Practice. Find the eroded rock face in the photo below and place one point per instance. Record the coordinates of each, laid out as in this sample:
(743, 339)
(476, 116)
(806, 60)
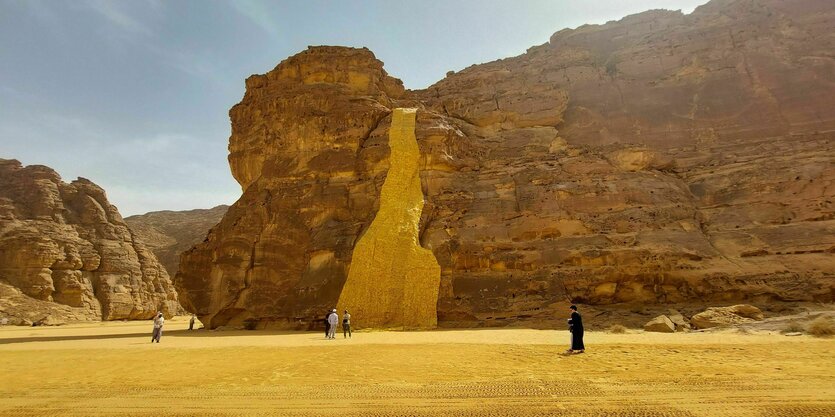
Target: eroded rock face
(393, 281)
(662, 158)
(169, 233)
(311, 182)
(64, 243)
(21, 310)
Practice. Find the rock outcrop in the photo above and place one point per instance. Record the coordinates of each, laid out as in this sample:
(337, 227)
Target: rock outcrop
(681, 324)
(660, 159)
(19, 309)
(65, 244)
(660, 324)
(169, 233)
(310, 185)
(393, 281)
(717, 316)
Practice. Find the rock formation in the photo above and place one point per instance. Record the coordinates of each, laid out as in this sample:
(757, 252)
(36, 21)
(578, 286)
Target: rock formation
(717, 316)
(681, 324)
(660, 324)
(65, 244)
(281, 253)
(660, 159)
(169, 233)
(392, 280)
(19, 309)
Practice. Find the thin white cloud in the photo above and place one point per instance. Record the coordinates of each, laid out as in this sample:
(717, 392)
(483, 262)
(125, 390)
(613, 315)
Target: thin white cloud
(118, 16)
(255, 11)
(191, 64)
(40, 11)
(139, 172)
(132, 20)
(11, 92)
(51, 124)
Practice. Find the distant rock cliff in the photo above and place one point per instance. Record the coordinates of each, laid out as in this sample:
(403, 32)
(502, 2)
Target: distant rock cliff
(662, 158)
(169, 233)
(64, 243)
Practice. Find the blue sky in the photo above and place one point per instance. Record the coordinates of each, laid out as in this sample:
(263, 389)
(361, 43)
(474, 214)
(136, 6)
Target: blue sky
(134, 94)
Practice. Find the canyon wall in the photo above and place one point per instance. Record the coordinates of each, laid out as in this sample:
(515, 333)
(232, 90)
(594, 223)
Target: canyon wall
(65, 244)
(660, 159)
(168, 233)
(393, 281)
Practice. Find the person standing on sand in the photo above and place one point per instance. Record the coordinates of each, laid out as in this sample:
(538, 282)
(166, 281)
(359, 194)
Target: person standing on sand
(346, 325)
(333, 318)
(327, 324)
(191, 322)
(575, 326)
(158, 322)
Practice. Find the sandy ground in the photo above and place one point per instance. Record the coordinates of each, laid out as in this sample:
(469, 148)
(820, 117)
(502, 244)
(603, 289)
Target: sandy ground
(112, 369)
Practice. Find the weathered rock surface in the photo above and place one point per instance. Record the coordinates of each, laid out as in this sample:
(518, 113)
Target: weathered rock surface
(169, 233)
(717, 316)
(660, 324)
(65, 244)
(660, 159)
(392, 280)
(681, 323)
(21, 310)
(310, 185)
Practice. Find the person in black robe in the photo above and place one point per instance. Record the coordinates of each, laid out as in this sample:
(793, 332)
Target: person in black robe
(327, 324)
(575, 326)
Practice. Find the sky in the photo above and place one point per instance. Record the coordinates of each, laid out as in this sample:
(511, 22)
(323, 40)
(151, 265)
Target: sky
(134, 95)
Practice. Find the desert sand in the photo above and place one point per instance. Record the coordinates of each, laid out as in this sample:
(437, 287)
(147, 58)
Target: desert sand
(112, 368)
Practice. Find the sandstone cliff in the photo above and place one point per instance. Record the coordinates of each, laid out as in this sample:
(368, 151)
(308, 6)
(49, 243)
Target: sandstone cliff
(388, 264)
(662, 158)
(169, 233)
(65, 244)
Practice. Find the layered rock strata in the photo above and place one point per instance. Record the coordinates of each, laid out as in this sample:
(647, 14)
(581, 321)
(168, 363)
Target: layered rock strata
(169, 233)
(660, 159)
(393, 281)
(65, 243)
(19, 309)
(310, 185)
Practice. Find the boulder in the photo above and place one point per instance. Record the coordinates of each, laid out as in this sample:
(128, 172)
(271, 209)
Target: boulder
(50, 320)
(747, 311)
(717, 316)
(661, 324)
(681, 323)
